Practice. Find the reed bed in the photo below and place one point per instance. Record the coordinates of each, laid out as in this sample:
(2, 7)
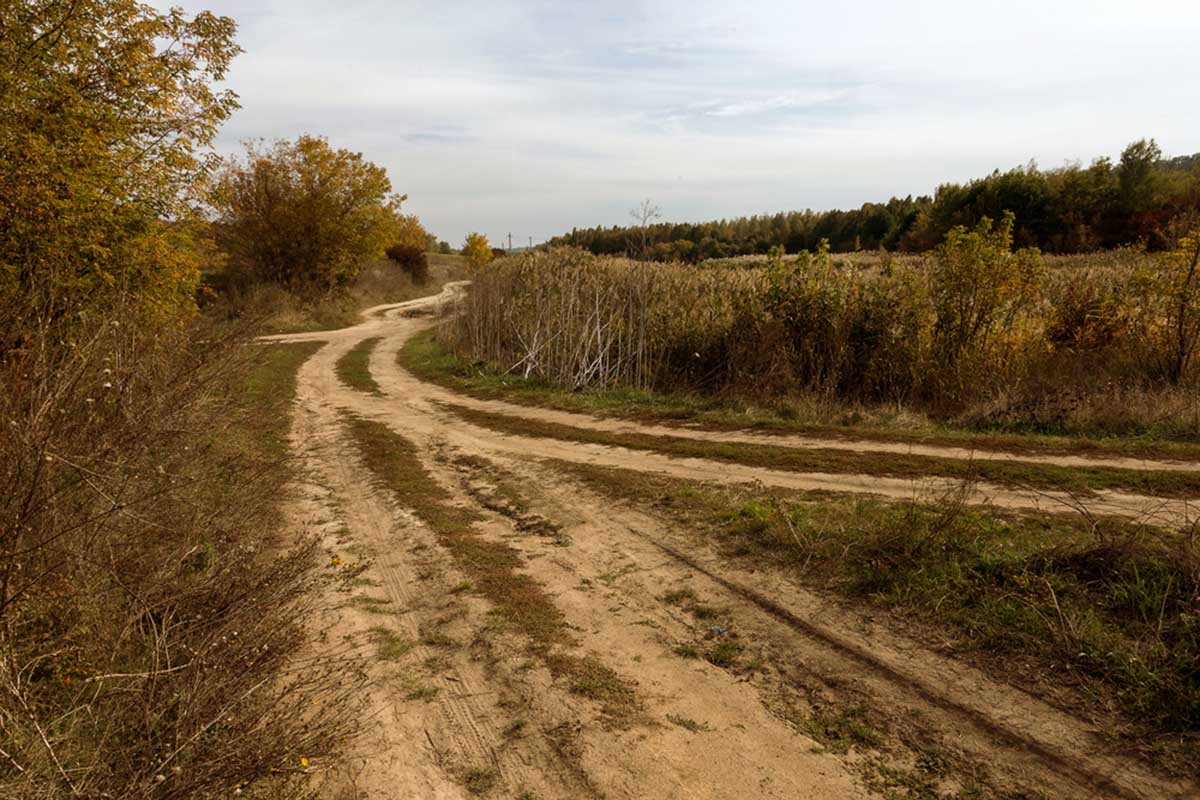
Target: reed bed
(973, 332)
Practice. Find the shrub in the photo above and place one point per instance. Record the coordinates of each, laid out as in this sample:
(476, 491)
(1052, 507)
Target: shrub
(412, 261)
(979, 288)
(477, 250)
(302, 213)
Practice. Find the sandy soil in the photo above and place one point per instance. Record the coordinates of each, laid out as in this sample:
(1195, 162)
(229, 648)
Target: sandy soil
(465, 711)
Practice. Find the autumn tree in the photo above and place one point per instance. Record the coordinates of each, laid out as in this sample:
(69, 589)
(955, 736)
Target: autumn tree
(477, 250)
(304, 214)
(107, 108)
(409, 231)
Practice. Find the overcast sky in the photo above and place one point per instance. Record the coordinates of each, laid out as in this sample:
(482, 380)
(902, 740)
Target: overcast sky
(537, 116)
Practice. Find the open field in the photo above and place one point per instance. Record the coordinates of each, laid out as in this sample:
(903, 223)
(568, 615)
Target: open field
(567, 605)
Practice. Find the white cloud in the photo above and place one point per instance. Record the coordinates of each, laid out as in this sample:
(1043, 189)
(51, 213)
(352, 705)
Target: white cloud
(542, 115)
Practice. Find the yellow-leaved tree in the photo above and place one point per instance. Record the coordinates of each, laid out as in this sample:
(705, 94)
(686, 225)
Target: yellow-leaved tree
(477, 250)
(107, 108)
(303, 214)
(409, 232)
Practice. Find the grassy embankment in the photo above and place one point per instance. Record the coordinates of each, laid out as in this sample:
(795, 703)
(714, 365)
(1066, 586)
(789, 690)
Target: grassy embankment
(158, 613)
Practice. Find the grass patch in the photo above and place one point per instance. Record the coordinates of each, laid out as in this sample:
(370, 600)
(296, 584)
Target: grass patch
(687, 723)
(519, 602)
(390, 645)
(424, 694)
(677, 597)
(270, 389)
(724, 654)
(353, 369)
(429, 360)
(480, 780)
(1114, 610)
(372, 605)
(840, 729)
(1079, 480)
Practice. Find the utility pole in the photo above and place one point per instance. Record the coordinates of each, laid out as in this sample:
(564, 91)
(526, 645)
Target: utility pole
(530, 242)
(510, 243)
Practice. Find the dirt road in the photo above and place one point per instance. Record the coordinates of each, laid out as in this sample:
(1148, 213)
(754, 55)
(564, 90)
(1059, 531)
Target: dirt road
(836, 706)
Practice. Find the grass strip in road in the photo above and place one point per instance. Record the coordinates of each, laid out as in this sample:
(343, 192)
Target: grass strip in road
(520, 602)
(269, 390)
(1046, 477)
(354, 370)
(424, 356)
(1045, 601)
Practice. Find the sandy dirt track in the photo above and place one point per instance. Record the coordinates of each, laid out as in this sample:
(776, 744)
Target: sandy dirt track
(479, 716)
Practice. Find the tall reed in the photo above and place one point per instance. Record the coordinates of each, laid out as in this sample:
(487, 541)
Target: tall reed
(972, 331)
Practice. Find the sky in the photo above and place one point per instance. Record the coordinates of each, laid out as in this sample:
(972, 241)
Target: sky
(533, 117)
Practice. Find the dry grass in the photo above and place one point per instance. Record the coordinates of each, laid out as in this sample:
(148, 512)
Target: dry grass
(153, 616)
(275, 309)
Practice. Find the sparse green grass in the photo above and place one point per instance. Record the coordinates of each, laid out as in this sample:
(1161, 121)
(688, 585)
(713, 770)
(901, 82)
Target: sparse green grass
(423, 694)
(373, 605)
(677, 597)
(1079, 480)
(687, 651)
(1111, 610)
(353, 369)
(428, 359)
(520, 603)
(839, 729)
(390, 645)
(270, 388)
(724, 654)
(687, 723)
(480, 780)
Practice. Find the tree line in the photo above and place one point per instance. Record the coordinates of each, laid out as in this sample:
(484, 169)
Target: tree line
(1070, 209)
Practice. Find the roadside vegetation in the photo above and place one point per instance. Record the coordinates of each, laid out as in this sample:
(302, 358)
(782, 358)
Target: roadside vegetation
(429, 358)
(978, 337)
(1063, 605)
(155, 605)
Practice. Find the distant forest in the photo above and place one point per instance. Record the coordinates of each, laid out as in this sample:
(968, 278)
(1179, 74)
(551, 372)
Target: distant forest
(1069, 209)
